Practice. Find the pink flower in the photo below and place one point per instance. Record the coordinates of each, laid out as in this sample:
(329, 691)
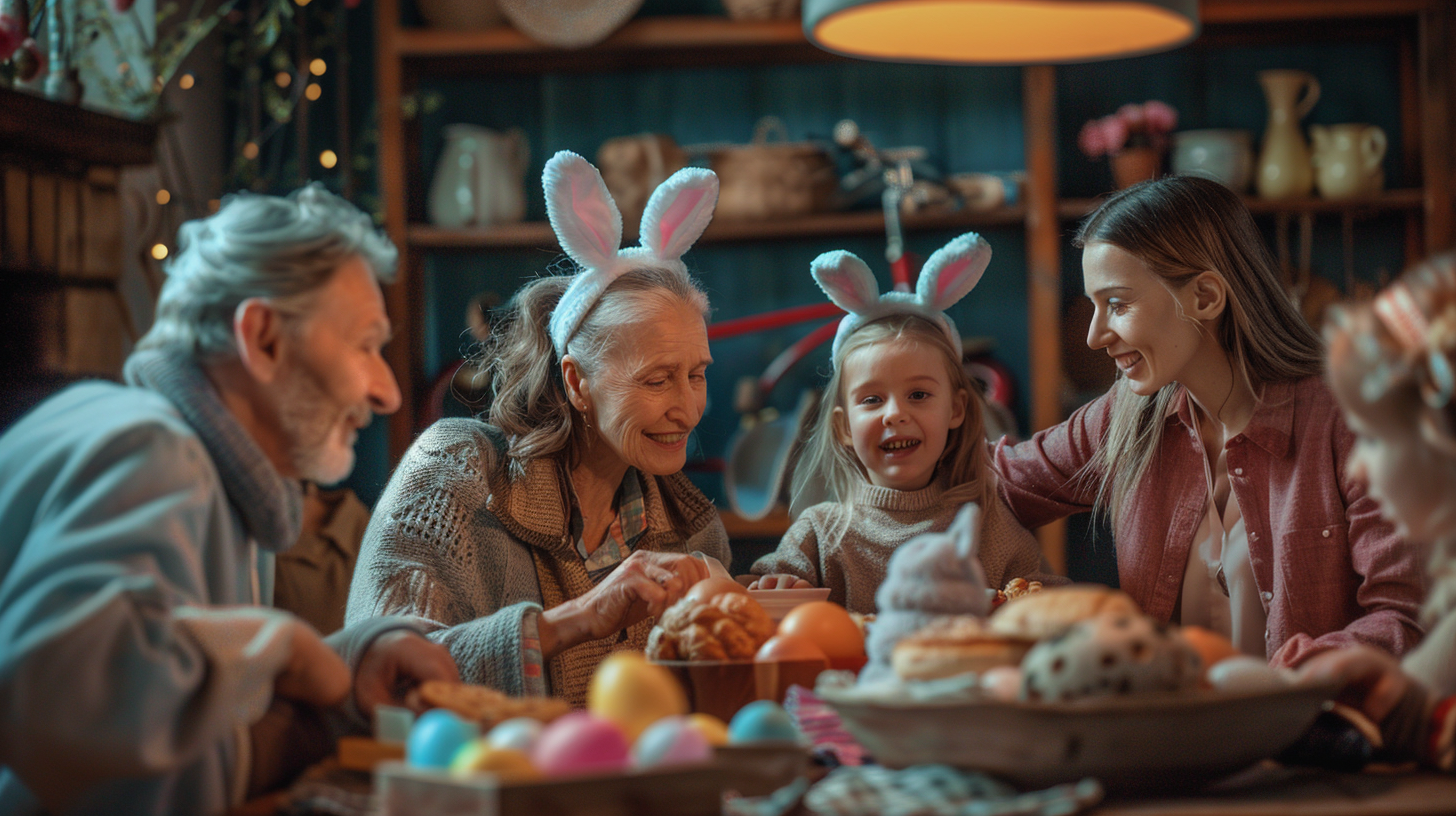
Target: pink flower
(120, 6)
(1091, 141)
(1132, 116)
(1114, 133)
(1160, 116)
(12, 34)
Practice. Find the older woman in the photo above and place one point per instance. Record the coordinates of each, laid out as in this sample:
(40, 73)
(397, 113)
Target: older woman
(550, 536)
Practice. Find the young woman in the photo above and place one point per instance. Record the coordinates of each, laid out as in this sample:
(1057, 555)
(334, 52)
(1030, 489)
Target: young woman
(1219, 455)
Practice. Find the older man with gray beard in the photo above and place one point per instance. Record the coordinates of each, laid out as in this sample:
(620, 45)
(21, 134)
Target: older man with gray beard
(141, 670)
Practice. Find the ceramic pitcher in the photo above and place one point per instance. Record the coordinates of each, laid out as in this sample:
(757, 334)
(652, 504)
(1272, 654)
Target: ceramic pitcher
(479, 178)
(1347, 159)
(1284, 166)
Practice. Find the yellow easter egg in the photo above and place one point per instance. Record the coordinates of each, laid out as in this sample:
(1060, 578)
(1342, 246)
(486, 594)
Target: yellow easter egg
(714, 730)
(481, 757)
(634, 693)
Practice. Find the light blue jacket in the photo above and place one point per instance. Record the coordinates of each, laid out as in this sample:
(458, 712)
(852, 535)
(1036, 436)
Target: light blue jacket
(133, 656)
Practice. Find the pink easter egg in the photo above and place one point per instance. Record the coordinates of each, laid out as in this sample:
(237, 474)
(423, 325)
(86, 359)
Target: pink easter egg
(580, 743)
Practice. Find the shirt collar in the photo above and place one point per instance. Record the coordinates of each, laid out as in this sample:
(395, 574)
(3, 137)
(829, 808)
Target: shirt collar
(1272, 425)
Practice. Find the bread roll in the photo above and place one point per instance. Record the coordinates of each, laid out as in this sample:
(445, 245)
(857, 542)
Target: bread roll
(1043, 614)
(954, 646)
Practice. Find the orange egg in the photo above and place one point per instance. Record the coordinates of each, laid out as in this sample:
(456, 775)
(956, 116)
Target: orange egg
(790, 647)
(712, 587)
(1210, 645)
(828, 626)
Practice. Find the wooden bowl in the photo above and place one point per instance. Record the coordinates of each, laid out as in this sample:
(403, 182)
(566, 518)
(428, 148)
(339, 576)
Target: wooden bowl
(721, 687)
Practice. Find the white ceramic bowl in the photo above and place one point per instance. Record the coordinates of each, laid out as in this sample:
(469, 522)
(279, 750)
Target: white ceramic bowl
(1144, 743)
(778, 602)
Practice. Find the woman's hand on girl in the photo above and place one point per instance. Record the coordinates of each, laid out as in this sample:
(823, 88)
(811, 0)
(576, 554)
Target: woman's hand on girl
(780, 581)
(642, 586)
(1372, 680)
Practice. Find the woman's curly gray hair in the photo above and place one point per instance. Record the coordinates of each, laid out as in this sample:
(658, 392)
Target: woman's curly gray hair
(281, 249)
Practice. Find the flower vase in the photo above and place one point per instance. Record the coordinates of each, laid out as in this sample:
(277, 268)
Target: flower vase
(1134, 164)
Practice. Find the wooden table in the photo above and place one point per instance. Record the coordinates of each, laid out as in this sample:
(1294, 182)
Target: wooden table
(1271, 790)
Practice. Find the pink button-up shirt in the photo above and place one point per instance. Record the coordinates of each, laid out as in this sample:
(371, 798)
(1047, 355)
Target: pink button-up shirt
(1330, 571)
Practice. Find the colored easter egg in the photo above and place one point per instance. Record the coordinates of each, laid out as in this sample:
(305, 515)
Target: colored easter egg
(714, 730)
(436, 737)
(518, 734)
(481, 757)
(829, 626)
(634, 693)
(670, 741)
(762, 721)
(580, 743)
(710, 588)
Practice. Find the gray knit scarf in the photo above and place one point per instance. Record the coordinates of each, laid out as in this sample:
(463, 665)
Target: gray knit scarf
(271, 506)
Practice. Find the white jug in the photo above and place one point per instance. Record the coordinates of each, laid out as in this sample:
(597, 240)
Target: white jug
(1347, 159)
(480, 178)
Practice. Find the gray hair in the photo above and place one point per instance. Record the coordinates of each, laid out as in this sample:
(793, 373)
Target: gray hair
(529, 400)
(259, 246)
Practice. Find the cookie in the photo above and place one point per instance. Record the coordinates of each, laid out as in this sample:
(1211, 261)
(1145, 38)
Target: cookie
(486, 705)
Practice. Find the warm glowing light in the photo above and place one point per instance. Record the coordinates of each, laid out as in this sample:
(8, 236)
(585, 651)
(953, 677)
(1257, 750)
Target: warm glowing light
(159, 251)
(313, 91)
(999, 31)
(317, 67)
(282, 79)
(250, 151)
(186, 81)
(163, 197)
(301, 3)
(328, 159)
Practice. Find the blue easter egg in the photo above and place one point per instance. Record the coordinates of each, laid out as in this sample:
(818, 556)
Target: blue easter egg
(436, 737)
(762, 721)
(670, 741)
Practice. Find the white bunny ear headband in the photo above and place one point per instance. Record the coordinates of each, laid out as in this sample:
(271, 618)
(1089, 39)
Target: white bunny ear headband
(948, 275)
(589, 226)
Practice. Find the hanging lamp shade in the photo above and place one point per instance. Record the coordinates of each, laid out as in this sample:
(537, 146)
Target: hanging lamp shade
(999, 32)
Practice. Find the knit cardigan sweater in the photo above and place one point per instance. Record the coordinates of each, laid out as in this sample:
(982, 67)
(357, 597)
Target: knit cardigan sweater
(847, 546)
(475, 547)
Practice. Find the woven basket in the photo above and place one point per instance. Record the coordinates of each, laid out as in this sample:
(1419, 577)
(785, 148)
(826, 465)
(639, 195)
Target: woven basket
(772, 179)
(761, 9)
(633, 166)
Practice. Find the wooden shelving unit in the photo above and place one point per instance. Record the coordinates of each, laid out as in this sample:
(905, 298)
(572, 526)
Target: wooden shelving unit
(406, 55)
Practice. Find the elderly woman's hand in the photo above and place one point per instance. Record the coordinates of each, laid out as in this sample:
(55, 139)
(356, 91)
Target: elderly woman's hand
(1371, 680)
(644, 585)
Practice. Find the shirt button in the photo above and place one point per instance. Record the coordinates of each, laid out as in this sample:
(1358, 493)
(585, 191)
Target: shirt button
(1238, 471)
(1266, 634)
(1325, 533)
(1253, 536)
(1268, 596)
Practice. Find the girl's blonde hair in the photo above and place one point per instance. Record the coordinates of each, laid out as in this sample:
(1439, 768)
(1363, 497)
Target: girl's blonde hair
(1406, 382)
(1179, 227)
(827, 469)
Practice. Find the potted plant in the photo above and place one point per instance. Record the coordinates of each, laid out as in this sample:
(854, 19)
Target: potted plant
(1134, 138)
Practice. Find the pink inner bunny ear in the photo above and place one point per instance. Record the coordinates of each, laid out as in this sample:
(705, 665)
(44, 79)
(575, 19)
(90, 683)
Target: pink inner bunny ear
(678, 212)
(581, 211)
(953, 271)
(847, 281)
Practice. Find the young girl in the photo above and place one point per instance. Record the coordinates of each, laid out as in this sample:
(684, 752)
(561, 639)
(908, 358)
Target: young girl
(1219, 453)
(899, 446)
(1391, 366)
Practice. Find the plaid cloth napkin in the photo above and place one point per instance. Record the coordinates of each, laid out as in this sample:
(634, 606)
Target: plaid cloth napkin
(938, 790)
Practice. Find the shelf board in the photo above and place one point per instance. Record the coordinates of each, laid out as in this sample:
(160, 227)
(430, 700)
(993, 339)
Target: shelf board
(1387, 201)
(537, 234)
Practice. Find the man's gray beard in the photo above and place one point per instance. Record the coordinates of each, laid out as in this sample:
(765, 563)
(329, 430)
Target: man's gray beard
(308, 416)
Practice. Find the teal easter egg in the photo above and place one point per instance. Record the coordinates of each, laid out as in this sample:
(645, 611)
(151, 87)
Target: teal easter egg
(762, 721)
(436, 737)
